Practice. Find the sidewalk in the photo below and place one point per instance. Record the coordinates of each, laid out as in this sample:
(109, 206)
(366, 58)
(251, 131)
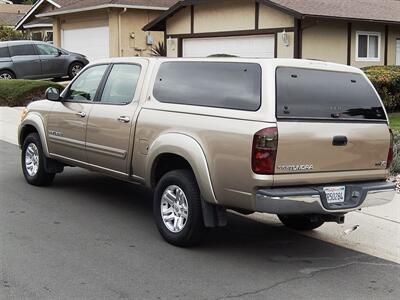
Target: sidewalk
(377, 234)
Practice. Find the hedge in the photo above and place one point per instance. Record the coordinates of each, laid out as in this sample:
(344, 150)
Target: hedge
(386, 80)
(18, 92)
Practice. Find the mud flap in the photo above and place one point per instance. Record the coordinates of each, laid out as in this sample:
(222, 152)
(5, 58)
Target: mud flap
(53, 166)
(213, 215)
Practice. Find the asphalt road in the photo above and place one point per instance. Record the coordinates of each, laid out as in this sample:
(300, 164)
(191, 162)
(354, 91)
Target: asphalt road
(92, 237)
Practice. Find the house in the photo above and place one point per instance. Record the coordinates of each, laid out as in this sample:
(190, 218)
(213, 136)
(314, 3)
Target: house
(39, 29)
(98, 28)
(10, 14)
(356, 32)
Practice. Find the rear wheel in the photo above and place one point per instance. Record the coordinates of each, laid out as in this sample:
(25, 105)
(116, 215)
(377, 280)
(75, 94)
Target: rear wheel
(301, 222)
(74, 69)
(177, 208)
(32, 161)
(6, 75)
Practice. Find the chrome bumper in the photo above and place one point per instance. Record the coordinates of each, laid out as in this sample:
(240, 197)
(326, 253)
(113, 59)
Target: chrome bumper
(312, 199)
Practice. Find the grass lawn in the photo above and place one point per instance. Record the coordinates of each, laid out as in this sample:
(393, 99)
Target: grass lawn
(21, 92)
(394, 119)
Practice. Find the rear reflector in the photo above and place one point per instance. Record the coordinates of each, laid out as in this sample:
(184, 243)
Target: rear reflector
(265, 144)
(390, 153)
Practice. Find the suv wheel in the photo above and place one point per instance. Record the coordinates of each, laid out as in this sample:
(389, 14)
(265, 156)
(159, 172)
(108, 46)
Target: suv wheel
(32, 160)
(301, 222)
(177, 208)
(6, 75)
(74, 69)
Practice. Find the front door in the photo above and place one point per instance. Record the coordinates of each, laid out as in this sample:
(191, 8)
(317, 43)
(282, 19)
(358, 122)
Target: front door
(111, 123)
(67, 122)
(53, 63)
(398, 52)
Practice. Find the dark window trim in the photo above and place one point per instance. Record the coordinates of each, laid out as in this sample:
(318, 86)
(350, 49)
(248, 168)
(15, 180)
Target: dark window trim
(102, 85)
(349, 39)
(318, 119)
(207, 106)
(66, 91)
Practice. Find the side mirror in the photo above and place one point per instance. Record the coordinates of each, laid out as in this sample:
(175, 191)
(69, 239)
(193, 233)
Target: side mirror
(59, 53)
(53, 94)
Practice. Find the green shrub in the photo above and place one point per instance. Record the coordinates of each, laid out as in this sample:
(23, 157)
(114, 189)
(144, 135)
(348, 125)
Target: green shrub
(21, 92)
(386, 80)
(395, 168)
(8, 34)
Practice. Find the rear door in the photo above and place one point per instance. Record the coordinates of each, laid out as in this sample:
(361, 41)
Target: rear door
(25, 60)
(328, 122)
(111, 122)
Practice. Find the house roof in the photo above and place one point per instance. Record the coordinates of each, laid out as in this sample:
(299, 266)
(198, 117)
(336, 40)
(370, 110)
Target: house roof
(33, 9)
(71, 6)
(11, 14)
(385, 11)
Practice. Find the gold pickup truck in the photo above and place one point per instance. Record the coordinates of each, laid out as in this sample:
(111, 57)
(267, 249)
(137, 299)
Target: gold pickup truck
(306, 140)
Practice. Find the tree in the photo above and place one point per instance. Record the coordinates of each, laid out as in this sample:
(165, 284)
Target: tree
(9, 34)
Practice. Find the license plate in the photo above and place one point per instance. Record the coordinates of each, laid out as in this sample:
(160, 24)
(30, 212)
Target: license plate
(335, 194)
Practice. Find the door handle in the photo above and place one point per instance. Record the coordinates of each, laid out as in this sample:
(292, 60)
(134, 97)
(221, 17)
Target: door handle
(124, 119)
(339, 140)
(82, 114)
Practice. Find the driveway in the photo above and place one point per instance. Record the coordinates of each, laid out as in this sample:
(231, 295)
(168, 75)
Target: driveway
(92, 237)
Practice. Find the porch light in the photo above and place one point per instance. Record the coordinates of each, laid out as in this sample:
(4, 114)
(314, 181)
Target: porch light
(171, 43)
(285, 38)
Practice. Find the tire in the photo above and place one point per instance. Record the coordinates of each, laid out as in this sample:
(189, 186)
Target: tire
(178, 231)
(74, 69)
(301, 222)
(32, 150)
(6, 75)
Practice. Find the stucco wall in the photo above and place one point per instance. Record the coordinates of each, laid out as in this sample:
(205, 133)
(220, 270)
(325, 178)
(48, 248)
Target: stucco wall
(285, 51)
(272, 18)
(325, 40)
(180, 22)
(224, 16)
(367, 27)
(394, 33)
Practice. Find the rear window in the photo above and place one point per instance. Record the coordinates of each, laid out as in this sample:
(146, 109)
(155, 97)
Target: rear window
(21, 50)
(316, 94)
(4, 52)
(214, 84)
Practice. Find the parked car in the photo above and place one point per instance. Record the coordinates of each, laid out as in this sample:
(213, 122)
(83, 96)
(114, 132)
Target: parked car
(38, 60)
(306, 140)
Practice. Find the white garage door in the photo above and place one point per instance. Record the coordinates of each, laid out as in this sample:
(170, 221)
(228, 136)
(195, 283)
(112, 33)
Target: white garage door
(242, 46)
(92, 42)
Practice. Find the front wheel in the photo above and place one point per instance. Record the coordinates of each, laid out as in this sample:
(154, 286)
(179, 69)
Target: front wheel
(74, 69)
(32, 161)
(177, 208)
(301, 222)
(6, 75)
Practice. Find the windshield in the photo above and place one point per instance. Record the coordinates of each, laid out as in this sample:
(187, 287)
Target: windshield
(316, 94)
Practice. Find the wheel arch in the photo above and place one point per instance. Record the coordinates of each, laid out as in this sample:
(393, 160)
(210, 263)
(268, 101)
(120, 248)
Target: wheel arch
(172, 151)
(33, 123)
(9, 70)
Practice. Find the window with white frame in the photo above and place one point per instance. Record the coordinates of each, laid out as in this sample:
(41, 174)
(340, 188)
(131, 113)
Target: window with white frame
(368, 46)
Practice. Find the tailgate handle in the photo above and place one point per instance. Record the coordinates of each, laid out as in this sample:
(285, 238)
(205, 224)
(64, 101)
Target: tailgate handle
(339, 140)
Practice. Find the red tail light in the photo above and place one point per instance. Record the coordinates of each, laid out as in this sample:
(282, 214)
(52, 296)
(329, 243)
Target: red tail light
(265, 144)
(390, 153)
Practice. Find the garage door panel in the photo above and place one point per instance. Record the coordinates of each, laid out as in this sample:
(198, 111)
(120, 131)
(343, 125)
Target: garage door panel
(242, 46)
(92, 42)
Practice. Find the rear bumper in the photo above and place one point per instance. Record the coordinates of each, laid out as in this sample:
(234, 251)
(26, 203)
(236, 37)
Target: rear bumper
(312, 199)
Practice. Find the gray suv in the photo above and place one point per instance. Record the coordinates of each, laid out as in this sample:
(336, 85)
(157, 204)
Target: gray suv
(36, 60)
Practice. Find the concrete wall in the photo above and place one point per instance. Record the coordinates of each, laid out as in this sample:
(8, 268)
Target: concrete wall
(325, 40)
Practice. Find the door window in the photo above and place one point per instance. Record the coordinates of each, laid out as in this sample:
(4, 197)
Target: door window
(121, 84)
(22, 50)
(4, 52)
(46, 49)
(84, 88)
